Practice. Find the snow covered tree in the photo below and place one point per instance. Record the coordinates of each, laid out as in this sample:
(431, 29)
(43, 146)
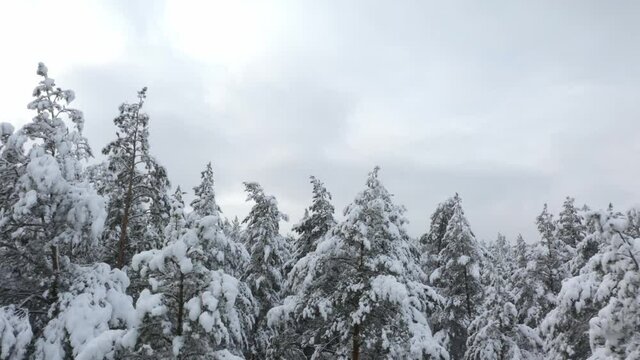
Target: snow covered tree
(137, 192)
(12, 160)
(316, 223)
(222, 244)
(591, 241)
(598, 311)
(233, 230)
(570, 227)
(528, 290)
(15, 333)
(209, 313)
(495, 333)
(177, 225)
(433, 241)
(53, 217)
(268, 253)
(361, 293)
(93, 318)
(458, 279)
(204, 203)
(500, 251)
(549, 253)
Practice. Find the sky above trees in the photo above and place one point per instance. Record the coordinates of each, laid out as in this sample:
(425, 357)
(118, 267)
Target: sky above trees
(509, 104)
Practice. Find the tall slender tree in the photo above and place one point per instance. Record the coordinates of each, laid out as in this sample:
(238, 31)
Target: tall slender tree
(570, 228)
(458, 279)
(432, 242)
(268, 254)
(137, 192)
(205, 203)
(549, 256)
(316, 223)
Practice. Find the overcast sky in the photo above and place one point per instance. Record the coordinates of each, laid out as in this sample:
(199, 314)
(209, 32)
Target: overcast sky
(510, 103)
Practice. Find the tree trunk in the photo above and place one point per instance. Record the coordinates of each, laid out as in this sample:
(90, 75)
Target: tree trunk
(180, 305)
(122, 243)
(55, 263)
(355, 352)
(467, 293)
(122, 246)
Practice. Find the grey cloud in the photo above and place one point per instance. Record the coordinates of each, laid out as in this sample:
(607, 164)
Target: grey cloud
(511, 104)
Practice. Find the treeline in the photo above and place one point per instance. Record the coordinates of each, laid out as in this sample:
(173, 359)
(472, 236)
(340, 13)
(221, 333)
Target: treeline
(108, 262)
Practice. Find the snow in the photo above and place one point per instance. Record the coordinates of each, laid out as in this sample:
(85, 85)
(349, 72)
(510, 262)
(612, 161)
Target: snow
(15, 333)
(387, 287)
(96, 302)
(177, 344)
(149, 303)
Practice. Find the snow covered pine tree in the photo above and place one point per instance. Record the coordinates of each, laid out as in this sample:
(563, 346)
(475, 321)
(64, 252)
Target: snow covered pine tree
(136, 186)
(364, 285)
(458, 280)
(268, 254)
(52, 225)
(205, 312)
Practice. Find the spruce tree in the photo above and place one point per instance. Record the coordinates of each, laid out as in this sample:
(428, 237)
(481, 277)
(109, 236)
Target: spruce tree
(598, 315)
(208, 313)
(223, 246)
(495, 333)
(317, 221)
(550, 257)
(571, 229)
(432, 242)
(527, 287)
(204, 203)
(315, 224)
(458, 279)
(361, 292)
(268, 254)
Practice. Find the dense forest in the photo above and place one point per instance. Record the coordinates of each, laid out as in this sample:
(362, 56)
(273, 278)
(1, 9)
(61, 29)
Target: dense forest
(105, 260)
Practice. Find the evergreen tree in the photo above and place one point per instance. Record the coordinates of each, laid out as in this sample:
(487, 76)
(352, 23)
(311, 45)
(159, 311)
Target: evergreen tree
(433, 241)
(458, 279)
(177, 225)
(571, 229)
(53, 217)
(208, 312)
(549, 257)
(315, 224)
(590, 242)
(527, 288)
(500, 251)
(268, 254)
(598, 316)
(317, 221)
(361, 292)
(226, 251)
(495, 333)
(137, 193)
(204, 203)
(12, 161)
(94, 318)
